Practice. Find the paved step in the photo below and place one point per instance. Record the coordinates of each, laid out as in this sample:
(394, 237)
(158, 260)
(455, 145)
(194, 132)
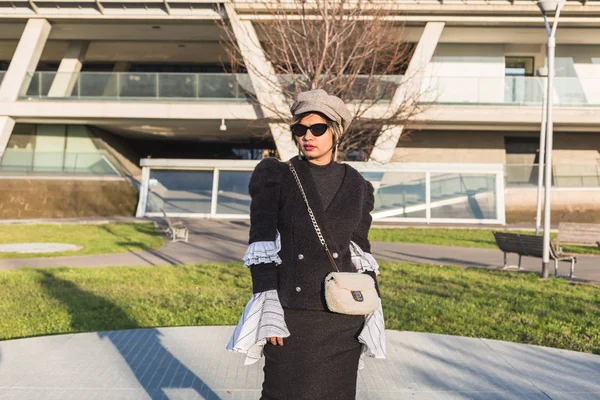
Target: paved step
(192, 363)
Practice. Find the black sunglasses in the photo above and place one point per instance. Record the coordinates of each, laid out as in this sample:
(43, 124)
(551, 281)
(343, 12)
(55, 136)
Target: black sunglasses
(316, 129)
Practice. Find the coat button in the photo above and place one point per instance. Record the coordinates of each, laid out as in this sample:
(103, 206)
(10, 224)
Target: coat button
(335, 255)
(300, 257)
(298, 288)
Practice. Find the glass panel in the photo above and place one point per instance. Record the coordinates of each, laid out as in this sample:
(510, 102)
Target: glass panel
(38, 84)
(17, 161)
(563, 175)
(180, 191)
(138, 85)
(570, 91)
(402, 194)
(233, 197)
(22, 137)
(460, 195)
(568, 175)
(177, 85)
(509, 90)
(521, 175)
(96, 85)
(146, 86)
(95, 163)
(50, 147)
(28, 162)
(222, 87)
(374, 87)
(521, 90)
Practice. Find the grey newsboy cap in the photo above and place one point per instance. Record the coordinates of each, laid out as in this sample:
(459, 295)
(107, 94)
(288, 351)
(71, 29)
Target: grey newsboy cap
(319, 101)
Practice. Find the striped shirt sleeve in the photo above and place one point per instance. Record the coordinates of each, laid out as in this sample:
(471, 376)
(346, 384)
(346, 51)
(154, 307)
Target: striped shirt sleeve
(372, 336)
(262, 318)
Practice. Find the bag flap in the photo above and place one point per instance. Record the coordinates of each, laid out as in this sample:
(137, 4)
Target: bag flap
(352, 280)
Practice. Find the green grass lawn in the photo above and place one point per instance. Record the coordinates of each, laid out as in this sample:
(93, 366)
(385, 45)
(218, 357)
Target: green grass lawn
(455, 237)
(449, 300)
(94, 239)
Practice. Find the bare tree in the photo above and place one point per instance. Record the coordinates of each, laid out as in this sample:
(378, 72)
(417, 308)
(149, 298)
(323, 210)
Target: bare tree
(352, 49)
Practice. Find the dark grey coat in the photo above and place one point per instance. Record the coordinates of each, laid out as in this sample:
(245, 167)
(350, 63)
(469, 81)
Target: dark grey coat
(278, 205)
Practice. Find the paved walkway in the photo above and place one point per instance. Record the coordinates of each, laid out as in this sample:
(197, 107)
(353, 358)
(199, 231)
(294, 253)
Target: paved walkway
(191, 363)
(226, 241)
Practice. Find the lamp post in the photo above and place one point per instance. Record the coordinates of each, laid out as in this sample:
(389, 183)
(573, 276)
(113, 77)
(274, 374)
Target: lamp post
(543, 72)
(549, 7)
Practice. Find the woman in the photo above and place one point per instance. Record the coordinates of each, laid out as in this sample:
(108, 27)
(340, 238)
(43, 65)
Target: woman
(310, 352)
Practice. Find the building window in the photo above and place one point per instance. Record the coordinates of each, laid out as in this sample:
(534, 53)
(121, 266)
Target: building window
(518, 66)
(518, 88)
(522, 160)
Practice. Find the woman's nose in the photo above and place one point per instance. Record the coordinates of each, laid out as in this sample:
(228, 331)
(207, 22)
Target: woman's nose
(306, 136)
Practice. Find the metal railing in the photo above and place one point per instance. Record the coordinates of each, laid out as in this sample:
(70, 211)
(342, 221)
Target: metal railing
(363, 87)
(138, 86)
(563, 175)
(501, 91)
(510, 91)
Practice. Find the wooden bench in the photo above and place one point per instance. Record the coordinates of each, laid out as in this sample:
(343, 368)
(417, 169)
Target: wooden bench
(531, 246)
(176, 229)
(578, 234)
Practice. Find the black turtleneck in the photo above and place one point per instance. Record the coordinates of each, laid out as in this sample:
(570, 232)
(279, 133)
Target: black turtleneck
(328, 180)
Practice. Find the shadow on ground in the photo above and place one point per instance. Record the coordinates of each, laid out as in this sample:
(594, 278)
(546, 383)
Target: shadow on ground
(155, 368)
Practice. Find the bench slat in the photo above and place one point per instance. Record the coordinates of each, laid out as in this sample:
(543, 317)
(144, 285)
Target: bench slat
(576, 233)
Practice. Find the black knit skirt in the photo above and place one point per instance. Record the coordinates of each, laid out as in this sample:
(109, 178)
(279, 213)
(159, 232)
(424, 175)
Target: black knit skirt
(318, 361)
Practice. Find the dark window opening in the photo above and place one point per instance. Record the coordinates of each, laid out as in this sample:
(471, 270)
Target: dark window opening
(522, 160)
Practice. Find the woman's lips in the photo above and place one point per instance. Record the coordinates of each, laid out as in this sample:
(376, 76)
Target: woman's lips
(308, 147)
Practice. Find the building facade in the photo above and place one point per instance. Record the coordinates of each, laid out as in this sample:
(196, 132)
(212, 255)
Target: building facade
(90, 88)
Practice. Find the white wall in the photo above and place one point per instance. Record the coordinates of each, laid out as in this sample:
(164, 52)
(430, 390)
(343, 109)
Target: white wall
(581, 62)
(474, 73)
(466, 73)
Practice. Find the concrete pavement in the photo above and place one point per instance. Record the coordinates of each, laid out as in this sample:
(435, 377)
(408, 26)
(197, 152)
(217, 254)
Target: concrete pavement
(192, 363)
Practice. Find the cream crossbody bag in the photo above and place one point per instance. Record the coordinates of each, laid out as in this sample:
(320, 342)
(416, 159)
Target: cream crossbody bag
(345, 292)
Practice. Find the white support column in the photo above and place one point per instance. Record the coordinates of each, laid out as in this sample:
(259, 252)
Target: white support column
(408, 90)
(143, 200)
(6, 127)
(283, 140)
(214, 199)
(112, 88)
(264, 80)
(428, 196)
(25, 59)
(386, 143)
(69, 69)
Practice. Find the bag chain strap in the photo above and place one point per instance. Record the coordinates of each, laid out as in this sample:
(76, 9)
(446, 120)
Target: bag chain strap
(313, 219)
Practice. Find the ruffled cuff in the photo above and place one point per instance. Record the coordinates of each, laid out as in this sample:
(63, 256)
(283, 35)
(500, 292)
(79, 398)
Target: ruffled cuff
(263, 252)
(262, 318)
(363, 261)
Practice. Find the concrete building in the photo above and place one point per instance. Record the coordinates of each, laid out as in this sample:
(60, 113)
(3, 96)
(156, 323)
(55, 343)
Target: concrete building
(91, 87)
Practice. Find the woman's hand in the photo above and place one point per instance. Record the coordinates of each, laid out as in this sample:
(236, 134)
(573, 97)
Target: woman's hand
(274, 340)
